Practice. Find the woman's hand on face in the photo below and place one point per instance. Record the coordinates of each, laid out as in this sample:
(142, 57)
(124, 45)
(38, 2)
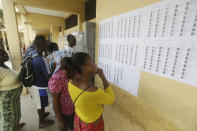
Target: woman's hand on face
(100, 72)
(102, 76)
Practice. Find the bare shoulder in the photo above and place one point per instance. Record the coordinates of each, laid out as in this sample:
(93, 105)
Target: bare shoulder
(75, 83)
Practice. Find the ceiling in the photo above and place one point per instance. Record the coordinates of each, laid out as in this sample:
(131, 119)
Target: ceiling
(36, 10)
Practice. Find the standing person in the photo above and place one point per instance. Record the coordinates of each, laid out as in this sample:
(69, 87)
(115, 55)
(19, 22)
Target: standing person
(39, 88)
(71, 44)
(50, 59)
(53, 47)
(24, 47)
(10, 91)
(87, 98)
(62, 103)
(67, 52)
(51, 68)
(23, 50)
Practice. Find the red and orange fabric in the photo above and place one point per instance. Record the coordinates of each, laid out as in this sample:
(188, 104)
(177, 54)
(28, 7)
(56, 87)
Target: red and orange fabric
(98, 125)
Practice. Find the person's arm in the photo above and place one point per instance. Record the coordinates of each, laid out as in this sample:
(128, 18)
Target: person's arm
(103, 78)
(47, 61)
(55, 89)
(105, 96)
(56, 108)
(44, 69)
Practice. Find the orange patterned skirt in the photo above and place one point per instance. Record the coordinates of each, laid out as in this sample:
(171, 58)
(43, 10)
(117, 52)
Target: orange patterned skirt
(98, 125)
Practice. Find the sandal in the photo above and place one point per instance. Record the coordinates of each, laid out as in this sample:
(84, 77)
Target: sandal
(20, 125)
(46, 124)
(46, 114)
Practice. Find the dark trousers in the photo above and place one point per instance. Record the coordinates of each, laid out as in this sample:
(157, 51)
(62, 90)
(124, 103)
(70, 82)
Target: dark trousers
(69, 121)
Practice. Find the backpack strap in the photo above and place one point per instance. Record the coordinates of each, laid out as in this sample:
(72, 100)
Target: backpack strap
(82, 93)
(33, 56)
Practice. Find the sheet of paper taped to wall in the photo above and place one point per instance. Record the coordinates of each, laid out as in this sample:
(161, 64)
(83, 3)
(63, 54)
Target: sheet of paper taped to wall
(159, 39)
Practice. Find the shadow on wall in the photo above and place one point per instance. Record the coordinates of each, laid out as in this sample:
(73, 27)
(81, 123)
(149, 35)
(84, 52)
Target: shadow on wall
(175, 99)
(129, 113)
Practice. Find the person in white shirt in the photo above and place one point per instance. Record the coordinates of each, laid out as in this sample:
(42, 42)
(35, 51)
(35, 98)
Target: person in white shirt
(67, 52)
(50, 60)
(50, 65)
(53, 61)
(10, 91)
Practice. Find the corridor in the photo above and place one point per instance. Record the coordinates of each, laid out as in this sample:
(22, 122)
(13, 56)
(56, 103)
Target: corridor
(140, 54)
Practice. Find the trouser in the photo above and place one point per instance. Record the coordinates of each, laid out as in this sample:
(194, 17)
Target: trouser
(40, 101)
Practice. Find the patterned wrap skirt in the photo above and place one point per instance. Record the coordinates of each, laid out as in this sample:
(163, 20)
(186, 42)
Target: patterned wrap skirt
(98, 125)
(10, 109)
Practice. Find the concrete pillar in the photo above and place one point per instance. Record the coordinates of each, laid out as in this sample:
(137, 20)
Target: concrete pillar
(62, 36)
(33, 34)
(55, 33)
(12, 32)
(30, 33)
(25, 30)
(4, 40)
(79, 22)
(81, 19)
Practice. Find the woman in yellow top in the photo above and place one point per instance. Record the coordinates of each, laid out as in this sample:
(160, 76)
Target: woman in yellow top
(88, 99)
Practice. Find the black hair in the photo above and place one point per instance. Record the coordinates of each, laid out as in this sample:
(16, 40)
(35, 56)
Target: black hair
(40, 42)
(74, 64)
(3, 55)
(53, 47)
(69, 37)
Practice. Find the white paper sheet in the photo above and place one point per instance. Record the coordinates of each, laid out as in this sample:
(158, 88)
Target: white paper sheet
(156, 39)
